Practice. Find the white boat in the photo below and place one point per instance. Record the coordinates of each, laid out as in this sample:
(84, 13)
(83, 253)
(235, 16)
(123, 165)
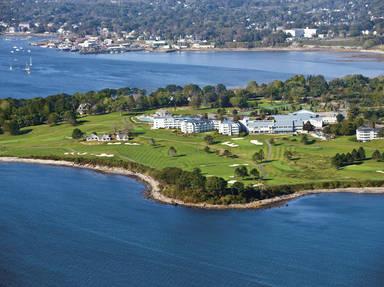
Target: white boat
(10, 68)
(27, 69)
(30, 61)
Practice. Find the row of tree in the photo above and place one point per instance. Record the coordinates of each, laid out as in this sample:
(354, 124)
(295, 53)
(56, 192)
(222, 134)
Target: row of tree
(357, 90)
(344, 159)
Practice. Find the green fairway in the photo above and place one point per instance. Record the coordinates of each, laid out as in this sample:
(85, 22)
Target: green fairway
(311, 163)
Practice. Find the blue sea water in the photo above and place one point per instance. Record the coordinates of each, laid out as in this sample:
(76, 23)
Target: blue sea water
(55, 72)
(71, 227)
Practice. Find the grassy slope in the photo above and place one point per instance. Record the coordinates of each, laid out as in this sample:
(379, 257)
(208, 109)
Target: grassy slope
(313, 163)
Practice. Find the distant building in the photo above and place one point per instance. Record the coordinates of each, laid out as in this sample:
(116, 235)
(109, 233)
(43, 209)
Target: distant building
(301, 33)
(329, 118)
(83, 109)
(365, 134)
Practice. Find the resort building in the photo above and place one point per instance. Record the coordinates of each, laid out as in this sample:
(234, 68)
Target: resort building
(258, 126)
(229, 128)
(167, 122)
(192, 126)
(329, 118)
(365, 134)
(290, 123)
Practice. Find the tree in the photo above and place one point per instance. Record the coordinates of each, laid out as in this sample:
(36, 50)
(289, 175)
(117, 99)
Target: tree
(241, 171)
(376, 155)
(52, 119)
(355, 155)
(216, 185)
(209, 139)
(227, 153)
(237, 187)
(151, 142)
(340, 118)
(304, 139)
(337, 161)
(308, 127)
(172, 151)
(361, 153)
(70, 117)
(255, 173)
(258, 156)
(11, 127)
(380, 134)
(77, 134)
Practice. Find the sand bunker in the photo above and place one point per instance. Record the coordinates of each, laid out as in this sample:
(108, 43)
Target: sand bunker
(105, 155)
(237, 139)
(236, 164)
(132, 143)
(75, 153)
(230, 144)
(256, 142)
(113, 143)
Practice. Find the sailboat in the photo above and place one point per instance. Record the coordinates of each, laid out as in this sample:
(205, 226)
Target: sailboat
(10, 68)
(27, 69)
(30, 61)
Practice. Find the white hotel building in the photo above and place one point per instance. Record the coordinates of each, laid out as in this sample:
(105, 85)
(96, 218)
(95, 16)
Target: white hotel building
(365, 134)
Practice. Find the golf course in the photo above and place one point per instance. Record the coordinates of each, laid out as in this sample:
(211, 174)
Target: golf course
(308, 163)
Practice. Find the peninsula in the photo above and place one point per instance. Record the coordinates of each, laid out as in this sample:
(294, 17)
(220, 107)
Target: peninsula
(213, 147)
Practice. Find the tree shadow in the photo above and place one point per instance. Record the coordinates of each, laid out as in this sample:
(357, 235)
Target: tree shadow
(81, 122)
(24, 132)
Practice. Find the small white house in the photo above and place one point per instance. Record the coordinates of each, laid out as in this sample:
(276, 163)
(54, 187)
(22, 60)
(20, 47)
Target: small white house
(92, 138)
(83, 108)
(122, 137)
(105, 138)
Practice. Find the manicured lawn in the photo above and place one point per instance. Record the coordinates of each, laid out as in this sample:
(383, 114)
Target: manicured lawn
(311, 163)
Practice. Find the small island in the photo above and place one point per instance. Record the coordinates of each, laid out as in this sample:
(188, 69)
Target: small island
(213, 147)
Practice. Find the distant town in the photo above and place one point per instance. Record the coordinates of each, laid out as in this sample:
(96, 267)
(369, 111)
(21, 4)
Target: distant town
(167, 27)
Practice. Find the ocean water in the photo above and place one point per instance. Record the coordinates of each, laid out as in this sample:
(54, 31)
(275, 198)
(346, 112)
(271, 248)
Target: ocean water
(55, 72)
(70, 227)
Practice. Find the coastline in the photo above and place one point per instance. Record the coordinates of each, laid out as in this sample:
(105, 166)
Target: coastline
(305, 48)
(153, 186)
(290, 49)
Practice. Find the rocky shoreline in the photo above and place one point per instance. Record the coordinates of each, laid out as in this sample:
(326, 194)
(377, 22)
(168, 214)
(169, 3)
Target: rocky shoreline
(154, 186)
